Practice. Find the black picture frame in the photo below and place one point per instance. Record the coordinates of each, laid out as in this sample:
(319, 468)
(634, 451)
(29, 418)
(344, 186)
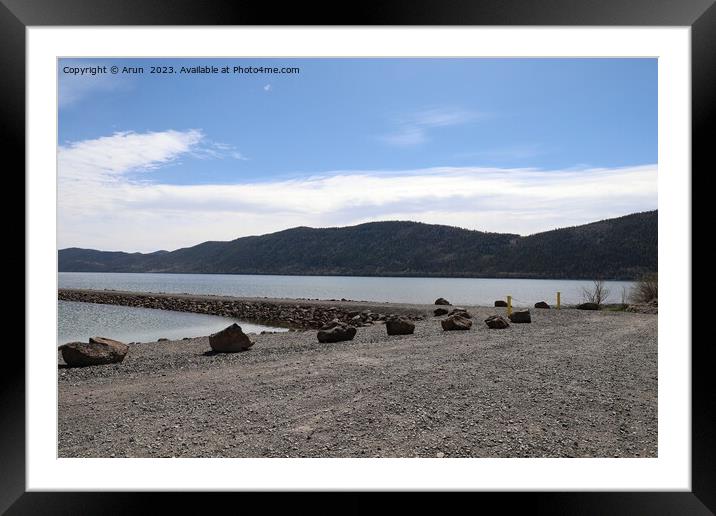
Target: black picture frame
(700, 15)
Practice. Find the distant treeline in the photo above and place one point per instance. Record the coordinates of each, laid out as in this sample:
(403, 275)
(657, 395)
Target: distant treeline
(620, 248)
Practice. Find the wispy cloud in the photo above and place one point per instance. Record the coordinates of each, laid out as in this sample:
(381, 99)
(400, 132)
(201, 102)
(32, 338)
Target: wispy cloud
(215, 150)
(413, 129)
(102, 205)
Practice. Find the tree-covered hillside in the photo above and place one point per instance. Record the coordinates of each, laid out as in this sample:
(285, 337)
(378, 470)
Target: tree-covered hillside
(620, 248)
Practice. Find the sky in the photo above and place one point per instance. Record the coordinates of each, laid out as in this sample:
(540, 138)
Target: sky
(150, 161)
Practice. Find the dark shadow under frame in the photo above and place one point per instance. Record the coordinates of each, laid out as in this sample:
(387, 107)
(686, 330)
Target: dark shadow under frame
(700, 15)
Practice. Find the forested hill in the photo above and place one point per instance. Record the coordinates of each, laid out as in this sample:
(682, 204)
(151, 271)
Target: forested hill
(620, 248)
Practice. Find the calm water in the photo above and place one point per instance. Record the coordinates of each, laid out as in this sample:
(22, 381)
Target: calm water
(470, 291)
(79, 321)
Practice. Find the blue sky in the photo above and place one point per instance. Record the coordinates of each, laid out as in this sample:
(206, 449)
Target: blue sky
(513, 145)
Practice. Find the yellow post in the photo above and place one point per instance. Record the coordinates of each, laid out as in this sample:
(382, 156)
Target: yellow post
(559, 298)
(509, 305)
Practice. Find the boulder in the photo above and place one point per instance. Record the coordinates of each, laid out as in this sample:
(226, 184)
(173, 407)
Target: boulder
(399, 326)
(461, 312)
(98, 351)
(521, 316)
(442, 301)
(500, 303)
(230, 340)
(541, 304)
(588, 306)
(496, 322)
(456, 322)
(440, 311)
(336, 331)
(332, 324)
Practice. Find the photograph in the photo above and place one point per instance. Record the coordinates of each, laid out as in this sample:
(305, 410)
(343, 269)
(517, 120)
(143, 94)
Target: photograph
(412, 249)
(357, 257)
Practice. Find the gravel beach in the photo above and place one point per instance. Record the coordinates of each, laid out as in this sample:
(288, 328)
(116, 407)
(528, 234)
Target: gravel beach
(570, 384)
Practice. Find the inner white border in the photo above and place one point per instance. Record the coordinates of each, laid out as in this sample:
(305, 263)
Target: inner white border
(671, 470)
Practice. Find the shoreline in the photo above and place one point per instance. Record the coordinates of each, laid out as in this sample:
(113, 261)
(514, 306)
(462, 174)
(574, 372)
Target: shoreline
(570, 384)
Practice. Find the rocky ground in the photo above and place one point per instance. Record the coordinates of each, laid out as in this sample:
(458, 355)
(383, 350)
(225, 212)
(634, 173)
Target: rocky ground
(570, 384)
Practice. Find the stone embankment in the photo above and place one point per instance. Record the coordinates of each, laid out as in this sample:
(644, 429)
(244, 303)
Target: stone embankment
(295, 314)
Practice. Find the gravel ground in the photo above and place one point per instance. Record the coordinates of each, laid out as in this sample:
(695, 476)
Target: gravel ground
(571, 384)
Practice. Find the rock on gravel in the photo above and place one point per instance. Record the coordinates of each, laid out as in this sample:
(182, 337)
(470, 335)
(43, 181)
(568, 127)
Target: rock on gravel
(461, 312)
(98, 351)
(399, 326)
(440, 311)
(541, 304)
(496, 322)
(588, 306)
(521, 316)
(231, 339)
(456, 322)
(500, 303)
(336, 331)
(442, 301)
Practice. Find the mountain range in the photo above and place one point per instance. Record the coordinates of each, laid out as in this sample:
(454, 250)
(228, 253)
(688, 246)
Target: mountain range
(619, 248)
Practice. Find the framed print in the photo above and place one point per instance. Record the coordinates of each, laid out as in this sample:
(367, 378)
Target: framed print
(418, 249)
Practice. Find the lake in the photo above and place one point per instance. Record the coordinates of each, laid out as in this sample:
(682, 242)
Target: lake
(79, 321)
(467, 291)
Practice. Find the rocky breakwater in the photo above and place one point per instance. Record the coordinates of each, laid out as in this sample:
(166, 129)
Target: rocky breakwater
(296, 314)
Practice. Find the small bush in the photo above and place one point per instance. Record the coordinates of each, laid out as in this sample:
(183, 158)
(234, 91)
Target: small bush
(597, 294)
(646, 289)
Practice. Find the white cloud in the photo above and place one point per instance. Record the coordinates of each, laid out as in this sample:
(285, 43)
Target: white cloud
(123, 152)
(102, 207)
(413, 130)
(267, 87)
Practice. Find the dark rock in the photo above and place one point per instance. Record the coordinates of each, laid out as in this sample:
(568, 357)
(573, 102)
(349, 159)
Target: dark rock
(399, 326)
(521, 316)
(163, 339)
(440, 311)
(501, 303)
(588, 306)
(230, 340)
(461, 312)
(456, 322)
(332, 324)
(442, 301)
(98, 351)
(339, 332)
(496, 322)
(541, 304)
